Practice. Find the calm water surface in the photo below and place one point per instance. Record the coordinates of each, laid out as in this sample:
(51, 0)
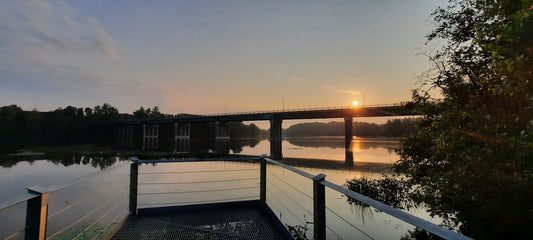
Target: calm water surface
(181, 183)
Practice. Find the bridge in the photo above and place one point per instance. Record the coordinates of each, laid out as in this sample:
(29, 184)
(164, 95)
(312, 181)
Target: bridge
(148, 129)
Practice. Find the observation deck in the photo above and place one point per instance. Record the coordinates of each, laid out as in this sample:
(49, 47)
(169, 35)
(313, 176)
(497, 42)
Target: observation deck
(224, 198)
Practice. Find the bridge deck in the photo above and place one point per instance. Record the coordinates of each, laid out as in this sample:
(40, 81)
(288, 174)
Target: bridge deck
(237, 220)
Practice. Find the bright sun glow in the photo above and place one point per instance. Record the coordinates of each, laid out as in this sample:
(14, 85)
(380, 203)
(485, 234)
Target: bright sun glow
(355, 103)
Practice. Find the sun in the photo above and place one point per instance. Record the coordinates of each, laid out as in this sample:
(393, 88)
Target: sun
(355, 103)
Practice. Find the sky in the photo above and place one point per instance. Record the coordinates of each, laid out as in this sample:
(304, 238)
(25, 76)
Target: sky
(205, 57)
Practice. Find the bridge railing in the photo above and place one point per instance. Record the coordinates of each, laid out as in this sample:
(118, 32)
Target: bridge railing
(305, 109)
(306, 203)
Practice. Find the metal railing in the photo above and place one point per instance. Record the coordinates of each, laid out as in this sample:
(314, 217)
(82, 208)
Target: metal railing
(48, 208)
(306, 109)
(318, 196)
(291, 110)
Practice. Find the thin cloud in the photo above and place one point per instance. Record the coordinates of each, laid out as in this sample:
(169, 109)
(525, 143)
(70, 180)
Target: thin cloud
(335, 89)
(47, 47)
(343, 91)
(55, 29)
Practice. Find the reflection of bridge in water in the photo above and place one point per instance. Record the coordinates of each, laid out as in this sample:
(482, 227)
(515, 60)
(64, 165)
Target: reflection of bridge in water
(146, 134)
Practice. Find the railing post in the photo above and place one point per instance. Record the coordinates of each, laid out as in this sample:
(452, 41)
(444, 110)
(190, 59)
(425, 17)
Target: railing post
(36, 214)
(262, 182)
(134, 175)
(319, 207)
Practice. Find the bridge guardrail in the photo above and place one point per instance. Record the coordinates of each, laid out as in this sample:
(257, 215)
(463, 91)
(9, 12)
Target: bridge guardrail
(278, 111)
(305, 109)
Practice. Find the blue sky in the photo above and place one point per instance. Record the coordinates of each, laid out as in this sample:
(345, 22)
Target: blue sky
(210, 56)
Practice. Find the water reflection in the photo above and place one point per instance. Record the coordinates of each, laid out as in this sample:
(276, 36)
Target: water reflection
(356, 145)
(65, 159)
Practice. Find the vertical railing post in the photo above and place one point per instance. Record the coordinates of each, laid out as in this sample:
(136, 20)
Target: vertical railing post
(36, 214)
(134, 175)
(319, 207)
(262, 181)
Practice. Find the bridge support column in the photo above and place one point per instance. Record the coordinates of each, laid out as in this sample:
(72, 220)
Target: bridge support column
(222, 130)
(150, 136)
(348, 136)
(182, 137)
(222, 137)
(275, 138)
(126, 136)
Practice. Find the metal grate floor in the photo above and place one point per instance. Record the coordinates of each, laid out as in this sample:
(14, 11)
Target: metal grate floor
(242, 220)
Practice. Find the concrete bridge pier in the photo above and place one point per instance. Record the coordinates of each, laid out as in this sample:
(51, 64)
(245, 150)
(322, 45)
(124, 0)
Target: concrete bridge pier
(275, 138)
(150, 136)
(182, 137)
(348, 137)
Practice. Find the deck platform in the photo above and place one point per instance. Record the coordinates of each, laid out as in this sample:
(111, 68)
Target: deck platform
(235, 220)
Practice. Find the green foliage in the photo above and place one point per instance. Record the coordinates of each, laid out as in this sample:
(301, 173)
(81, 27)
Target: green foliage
(391, 191)
(71, 125)
(148, 113)
(472, 157)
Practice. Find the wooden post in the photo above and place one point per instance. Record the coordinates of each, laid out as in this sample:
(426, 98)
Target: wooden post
(262, 184)
(134, 174)
(36, 214)
(319, 207)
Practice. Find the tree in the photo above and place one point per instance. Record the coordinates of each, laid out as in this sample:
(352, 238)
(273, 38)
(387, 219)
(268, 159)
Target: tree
(472, 158)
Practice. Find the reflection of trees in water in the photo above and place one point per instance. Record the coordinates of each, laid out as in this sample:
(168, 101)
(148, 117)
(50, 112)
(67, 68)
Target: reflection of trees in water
(362, 144)
(66, 160)
(372, 167)
(399, 193)
(94, 161)
(391, 191)
(107, 159)
(236, 145)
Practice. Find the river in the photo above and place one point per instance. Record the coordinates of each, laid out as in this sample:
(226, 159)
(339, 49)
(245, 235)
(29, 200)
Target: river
(287, 195)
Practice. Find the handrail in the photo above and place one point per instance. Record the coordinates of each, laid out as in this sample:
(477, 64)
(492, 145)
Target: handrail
(404, 216)
(295, 170)
(318, 181)
(136, 160)
(16, 200)
(26, 196)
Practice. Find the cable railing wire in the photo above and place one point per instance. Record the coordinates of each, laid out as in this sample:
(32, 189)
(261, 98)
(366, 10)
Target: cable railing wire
(196, 182)
(351, 224)
(99, 219)
(14, 234)
(64, 209)
(338, 236)
(288, 197)
(199, 191)
(298, 190)
(207, 171)
(123, 213)
(86, 215)
(283, 205)
(210, 201)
